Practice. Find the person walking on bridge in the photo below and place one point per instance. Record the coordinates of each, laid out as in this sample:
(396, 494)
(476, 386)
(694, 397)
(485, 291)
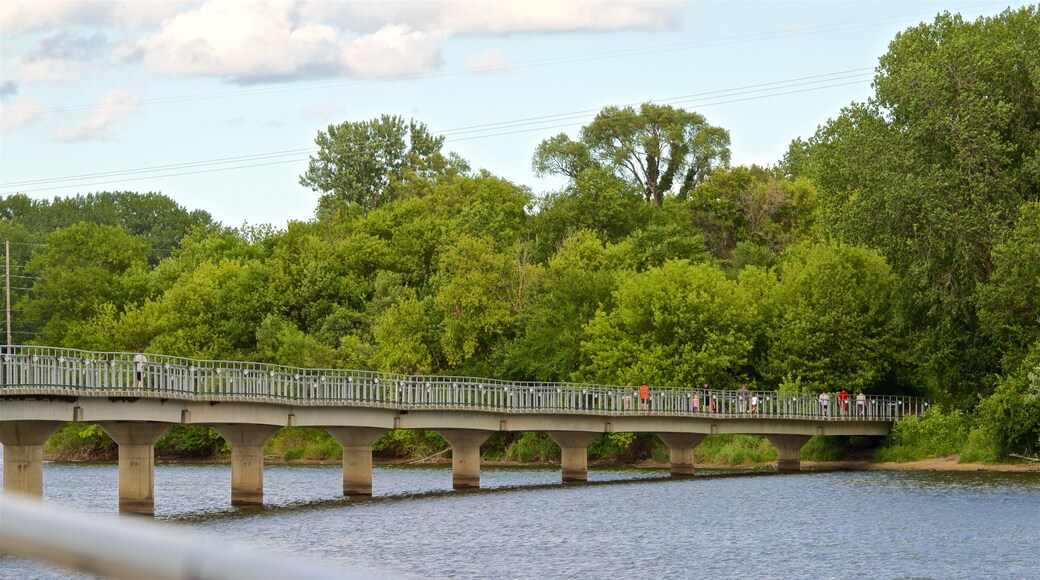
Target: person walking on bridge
(644, 397)
(825, 403)
(139, 362)
(742, 396)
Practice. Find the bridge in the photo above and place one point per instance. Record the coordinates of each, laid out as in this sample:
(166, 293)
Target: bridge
(42, 388)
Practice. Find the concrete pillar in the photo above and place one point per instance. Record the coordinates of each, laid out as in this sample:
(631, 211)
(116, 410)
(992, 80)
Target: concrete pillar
(357, 457)
(247, 460)
(574, 453)
(465, 455)
(788, 451)
(136, 442)
(680, 451)
(23, 454)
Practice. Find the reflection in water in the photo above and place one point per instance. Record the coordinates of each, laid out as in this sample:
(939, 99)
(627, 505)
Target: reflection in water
(636, 523)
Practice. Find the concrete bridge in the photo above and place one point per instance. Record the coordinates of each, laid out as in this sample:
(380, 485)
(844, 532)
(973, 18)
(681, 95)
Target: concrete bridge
(136, 402)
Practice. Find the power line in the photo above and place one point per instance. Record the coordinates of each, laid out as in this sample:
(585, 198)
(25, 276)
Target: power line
(484, 131)
(533, 63)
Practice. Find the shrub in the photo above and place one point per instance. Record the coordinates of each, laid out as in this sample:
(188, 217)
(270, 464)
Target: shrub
(936, 433)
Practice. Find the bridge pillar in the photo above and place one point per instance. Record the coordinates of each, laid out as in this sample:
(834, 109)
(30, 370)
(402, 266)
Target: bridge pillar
(680, 451)
(574, 453)
(357, 456)
(23, 454)
(247, 460)
(136, 442)
(788, 451)
(465, 455)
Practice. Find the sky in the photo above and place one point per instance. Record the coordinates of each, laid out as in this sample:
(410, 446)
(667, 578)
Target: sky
(216, 103)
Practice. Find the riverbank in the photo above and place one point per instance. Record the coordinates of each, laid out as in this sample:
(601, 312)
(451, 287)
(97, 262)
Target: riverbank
(949, 463)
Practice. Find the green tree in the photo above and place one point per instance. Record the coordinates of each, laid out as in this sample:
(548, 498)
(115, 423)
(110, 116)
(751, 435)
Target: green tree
(577, 281)
(832, 322)
(659, 149)
(357, 162)
(679, 325)
(933, 168)
(78, 269)
(1009, 304)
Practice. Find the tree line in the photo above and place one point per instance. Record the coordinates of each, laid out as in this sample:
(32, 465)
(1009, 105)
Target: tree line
(896, 250)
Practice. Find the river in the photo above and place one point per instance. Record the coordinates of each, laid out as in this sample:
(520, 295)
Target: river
(625, 523)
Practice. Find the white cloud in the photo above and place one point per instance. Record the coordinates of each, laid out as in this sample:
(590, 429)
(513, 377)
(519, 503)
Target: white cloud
(22, 111)
(242, 41)
(29, 15)
(263, 40)
(393, 50)
(112, 108)
(324, 110)
(489, 61)
(285, 39)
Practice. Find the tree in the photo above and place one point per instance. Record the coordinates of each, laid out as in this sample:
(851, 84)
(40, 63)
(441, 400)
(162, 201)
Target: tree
(1009, 304)
(358, 162)
(77, 270)
(678, 325)
(577, 281)
(933, 167)
(832, 322)
(659, 149)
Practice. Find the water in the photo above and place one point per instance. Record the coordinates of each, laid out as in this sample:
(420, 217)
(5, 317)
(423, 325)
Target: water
(634, 523)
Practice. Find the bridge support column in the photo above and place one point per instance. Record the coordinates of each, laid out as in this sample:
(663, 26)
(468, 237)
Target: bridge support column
(247, 460)
(465, 456)
(788, 451)
(574, 454)
(357, 456)
(680, 451)
(23, 454)
(136, 442)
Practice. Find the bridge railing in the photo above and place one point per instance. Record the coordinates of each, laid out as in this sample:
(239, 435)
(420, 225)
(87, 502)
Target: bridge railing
(74, 372)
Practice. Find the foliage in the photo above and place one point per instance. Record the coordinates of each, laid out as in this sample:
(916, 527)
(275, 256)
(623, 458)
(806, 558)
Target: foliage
(296, 443)
(80, 441)
(357, 163)
(735, 450)
(679, 324)
(657, 149)
(1011, 415)
(933, 168)
(533, 447)
(191, 441)
(936, 433)
(833, 322)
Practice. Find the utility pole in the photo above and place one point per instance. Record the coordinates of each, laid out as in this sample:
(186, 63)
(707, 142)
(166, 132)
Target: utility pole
(7, 270)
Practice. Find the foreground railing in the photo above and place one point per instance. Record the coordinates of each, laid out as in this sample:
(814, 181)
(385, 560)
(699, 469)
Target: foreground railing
(137, 549)
(60, 371)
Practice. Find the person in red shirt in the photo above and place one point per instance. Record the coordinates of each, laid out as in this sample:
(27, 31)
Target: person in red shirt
(843, 401)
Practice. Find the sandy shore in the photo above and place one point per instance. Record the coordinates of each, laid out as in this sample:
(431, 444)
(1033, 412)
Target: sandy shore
(949, 463)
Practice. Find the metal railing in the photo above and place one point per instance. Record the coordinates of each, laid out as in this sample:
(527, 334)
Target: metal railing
(68, 372)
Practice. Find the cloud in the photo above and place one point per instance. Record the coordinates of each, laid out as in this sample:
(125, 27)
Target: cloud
(8, 89)
(268, 40)
(21, 16)
(325, 110)
(241, 41)
(489, 61)
(23, 111)
(112, 108)
(393, 50)
(249, 41)
(69, 46)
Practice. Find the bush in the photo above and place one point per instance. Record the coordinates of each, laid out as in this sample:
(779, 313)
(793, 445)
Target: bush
(81, 442)
(401, 443)
(936, 433)
(533, 447)
(735, 450)
(190, 441)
